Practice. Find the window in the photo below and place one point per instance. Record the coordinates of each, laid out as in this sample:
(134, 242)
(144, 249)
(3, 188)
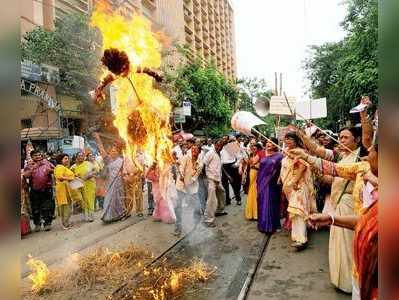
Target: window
(26, 123)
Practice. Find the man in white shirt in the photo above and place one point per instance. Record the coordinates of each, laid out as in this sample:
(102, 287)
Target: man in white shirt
(215, 200)
(189, 168)
(230, 173)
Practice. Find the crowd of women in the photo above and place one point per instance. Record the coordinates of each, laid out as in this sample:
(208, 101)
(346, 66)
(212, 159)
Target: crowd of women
(316, 182)
(305, 180)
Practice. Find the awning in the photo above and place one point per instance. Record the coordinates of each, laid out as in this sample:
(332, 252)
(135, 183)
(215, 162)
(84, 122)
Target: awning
(41, 133)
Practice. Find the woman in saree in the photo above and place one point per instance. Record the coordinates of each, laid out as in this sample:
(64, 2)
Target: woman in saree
(297, 180)
(114, 200)
(251, 207)
(365, 175)
(63, 175)
(161, 182)
(340, 243)
(84, 170)
(269, 191)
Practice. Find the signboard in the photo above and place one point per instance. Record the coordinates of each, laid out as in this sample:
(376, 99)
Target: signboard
(186, 108)
(279, 106)
(40, 73)
(178, 115)
(30, 71)
(50, 74)
(311, 109)
(34, 89)
(179, 118)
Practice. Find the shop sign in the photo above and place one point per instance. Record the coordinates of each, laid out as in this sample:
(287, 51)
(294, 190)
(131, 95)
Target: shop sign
(34, 89)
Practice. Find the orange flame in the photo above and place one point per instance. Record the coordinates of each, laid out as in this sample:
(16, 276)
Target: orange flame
(40, 273)
(136, 39)
(174, 281)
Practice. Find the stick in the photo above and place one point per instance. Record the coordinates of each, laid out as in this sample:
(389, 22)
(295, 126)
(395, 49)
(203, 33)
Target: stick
(310, 122)
(278, 146)
(134, 89)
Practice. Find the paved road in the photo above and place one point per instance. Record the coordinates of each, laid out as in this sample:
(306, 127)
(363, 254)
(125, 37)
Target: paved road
(233, 247)
(286, 274)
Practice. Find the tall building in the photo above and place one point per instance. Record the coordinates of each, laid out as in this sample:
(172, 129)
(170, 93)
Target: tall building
(205, 26)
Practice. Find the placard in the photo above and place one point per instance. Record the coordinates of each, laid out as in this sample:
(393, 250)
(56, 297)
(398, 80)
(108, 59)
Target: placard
(311, 109)
(279, 106)
(186, 108)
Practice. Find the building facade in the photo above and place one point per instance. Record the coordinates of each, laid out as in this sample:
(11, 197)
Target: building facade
(206, 27)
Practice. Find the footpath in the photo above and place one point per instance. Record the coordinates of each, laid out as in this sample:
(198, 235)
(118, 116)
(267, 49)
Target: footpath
(284, 273)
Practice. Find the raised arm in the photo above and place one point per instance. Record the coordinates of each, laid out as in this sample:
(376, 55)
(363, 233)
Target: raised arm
(100, 144)
(344, 170)
(314, 148)
(367, 126)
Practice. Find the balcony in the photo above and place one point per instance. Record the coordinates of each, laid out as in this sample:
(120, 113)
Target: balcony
(189, 38)
(188, 30)
(150, 4)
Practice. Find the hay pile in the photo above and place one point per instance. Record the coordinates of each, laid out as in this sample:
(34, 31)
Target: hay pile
(167, 281)
(98, 274)
(93, 275)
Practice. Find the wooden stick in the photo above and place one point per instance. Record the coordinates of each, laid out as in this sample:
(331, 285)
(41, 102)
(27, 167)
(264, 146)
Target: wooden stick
(278, 146)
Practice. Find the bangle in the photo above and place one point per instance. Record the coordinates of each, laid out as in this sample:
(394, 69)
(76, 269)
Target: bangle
(332, 219)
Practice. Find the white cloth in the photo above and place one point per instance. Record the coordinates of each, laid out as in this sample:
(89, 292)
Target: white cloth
(178, 151)
(187, 179)
(226, 157)
(213, 166)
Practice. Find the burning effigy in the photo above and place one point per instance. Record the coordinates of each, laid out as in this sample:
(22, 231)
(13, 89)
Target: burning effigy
(131, 60)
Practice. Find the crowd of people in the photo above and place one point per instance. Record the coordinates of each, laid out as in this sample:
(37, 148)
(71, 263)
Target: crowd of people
(305, 180)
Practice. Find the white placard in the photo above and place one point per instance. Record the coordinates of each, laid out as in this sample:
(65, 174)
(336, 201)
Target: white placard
(244, 121)
(311, 109)
(78, 142)
(279, 106)
(186, 108)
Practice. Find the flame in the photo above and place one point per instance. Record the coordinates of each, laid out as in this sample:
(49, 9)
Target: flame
(174, 281)
(135, 38)
(40, 273)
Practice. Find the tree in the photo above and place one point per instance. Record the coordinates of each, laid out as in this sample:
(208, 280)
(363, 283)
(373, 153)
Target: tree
(249, 90)
(72, 47)
(346, 70)
(212, 96)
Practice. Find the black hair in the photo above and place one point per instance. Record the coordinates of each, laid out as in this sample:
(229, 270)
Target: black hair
(357, 134)
(33, 152)
(292, 135)
(259, 146)
(60, 157)
(274, 140)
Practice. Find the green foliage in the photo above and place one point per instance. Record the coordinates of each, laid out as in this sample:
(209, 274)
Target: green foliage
(346, 70)
(249, 90)
(71, 47)
(213, 97)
